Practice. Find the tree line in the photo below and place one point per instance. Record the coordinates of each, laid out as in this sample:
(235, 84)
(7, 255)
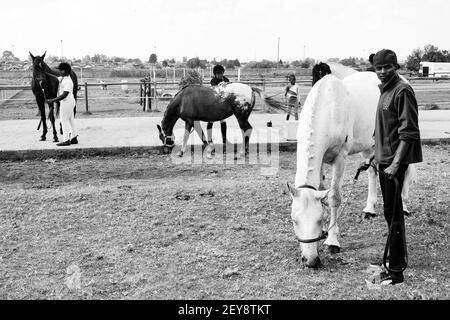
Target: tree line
(429, 53)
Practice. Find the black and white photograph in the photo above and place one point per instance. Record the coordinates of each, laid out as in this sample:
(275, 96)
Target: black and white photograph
(243, 152)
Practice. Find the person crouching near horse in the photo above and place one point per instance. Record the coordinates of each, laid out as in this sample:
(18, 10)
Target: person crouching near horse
(397, 144)
(67, 103)
(292, 97)
(218, 78)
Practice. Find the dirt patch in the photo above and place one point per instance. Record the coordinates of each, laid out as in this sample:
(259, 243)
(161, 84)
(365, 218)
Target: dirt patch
(144, 228)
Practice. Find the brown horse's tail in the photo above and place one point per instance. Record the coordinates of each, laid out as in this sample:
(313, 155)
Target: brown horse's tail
(270, 101)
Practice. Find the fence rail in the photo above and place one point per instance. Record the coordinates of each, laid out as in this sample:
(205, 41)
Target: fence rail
(152, 91)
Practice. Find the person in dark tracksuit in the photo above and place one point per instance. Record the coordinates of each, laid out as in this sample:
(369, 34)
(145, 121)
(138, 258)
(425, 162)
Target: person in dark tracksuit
(371, 68)
(218, 78)
(397, 144)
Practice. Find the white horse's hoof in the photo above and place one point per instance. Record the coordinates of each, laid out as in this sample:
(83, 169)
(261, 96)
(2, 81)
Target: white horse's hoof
(369, 215)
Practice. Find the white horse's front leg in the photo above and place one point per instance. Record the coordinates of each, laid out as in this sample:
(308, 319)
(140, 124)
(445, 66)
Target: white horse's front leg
(410, 177)
(369, 210)
(187, 132)
(334, 199)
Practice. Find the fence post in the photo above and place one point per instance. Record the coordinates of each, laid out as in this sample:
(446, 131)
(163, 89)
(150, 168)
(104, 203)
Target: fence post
(86, 98)
(264, 90)
(140, 95)
(154, 88)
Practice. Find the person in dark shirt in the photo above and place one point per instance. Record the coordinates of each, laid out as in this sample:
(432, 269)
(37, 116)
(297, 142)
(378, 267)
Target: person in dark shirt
(218, 78)
(397, 144)
(371, 68)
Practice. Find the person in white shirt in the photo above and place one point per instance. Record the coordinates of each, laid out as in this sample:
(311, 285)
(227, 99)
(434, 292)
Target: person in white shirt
(292, 97)
(67, 103)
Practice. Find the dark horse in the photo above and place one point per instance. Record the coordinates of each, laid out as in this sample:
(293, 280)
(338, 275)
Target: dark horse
(45, 86)
(319, 71)
(196, 103)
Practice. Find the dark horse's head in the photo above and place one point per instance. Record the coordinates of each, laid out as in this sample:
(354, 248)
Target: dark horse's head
(167, 140)
(39, 67)
(319, 71)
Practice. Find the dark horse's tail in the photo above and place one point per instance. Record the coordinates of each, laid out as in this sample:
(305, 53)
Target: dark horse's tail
(270, 101)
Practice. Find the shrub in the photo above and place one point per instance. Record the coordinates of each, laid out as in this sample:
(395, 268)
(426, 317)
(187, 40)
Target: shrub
(192, 77)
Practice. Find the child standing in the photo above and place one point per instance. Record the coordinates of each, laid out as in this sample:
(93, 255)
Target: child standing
(67, 104)
(292, 97)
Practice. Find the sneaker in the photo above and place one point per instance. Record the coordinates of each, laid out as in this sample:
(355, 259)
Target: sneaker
(74, 140)
(387, 278)
(65, 143)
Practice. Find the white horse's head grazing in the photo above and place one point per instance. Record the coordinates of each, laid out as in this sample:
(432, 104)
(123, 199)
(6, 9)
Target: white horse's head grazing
(308, 220)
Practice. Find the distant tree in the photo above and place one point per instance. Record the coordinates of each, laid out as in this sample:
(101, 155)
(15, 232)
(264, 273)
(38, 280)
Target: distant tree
(153, 58)
(86, 59)
(350, 62)
(192, 77)
(414, 59)
(165, 63)
(118, 59)
(99, 58)
(8, 55)
(185, 59)
(433, 54)
(196, 63)
(308, 62)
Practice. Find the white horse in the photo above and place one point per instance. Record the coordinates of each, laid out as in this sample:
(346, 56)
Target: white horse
(337, 120)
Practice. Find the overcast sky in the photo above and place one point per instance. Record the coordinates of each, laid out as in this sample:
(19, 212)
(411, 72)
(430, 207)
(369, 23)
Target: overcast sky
(242, 29)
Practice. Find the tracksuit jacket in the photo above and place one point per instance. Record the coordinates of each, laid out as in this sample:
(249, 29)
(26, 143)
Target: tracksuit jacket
(397, 119)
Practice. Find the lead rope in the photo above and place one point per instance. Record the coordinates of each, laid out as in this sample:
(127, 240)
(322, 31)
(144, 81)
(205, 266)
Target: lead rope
(402, 224)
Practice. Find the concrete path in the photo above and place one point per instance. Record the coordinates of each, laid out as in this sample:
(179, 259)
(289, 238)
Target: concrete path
(20, 137)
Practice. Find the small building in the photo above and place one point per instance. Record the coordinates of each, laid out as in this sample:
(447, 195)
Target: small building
(435, 69)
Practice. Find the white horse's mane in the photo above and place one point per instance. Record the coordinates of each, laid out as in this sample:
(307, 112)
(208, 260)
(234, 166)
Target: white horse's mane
(340, 71)
(308, 117)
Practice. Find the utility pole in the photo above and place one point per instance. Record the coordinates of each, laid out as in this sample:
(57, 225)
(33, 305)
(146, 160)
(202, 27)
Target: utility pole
(304, 52)
(62, 50)
(278, 52)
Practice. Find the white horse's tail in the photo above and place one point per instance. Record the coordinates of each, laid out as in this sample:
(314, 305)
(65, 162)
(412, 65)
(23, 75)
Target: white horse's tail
(269, 100)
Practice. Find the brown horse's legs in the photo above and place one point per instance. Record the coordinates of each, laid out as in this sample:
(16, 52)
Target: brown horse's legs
(246, 129)
(199, 130)
(52, 120)
(209, 127)
(41, 105)
(187, 132)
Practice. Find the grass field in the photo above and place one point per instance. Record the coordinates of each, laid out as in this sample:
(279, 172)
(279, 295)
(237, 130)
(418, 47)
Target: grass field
(142, 227)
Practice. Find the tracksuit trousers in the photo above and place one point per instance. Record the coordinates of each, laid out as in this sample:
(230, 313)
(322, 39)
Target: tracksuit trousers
(397, 244)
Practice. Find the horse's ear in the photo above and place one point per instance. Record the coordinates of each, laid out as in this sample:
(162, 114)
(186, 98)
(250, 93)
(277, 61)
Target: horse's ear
(292, 190)
(43, 56)
(322, 194)
(159, 128)
(32, 57)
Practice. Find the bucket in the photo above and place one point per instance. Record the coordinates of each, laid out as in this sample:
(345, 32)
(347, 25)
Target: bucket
(291, 130)
(124, 86)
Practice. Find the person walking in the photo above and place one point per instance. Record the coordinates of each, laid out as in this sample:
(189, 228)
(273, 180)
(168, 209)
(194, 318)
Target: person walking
(371, 68)
(218, 78)
(67, 103)
(397, 144)
(292, 97)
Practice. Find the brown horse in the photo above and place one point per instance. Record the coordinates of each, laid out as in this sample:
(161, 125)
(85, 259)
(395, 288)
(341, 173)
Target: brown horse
(45, 87)
(200, 103)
